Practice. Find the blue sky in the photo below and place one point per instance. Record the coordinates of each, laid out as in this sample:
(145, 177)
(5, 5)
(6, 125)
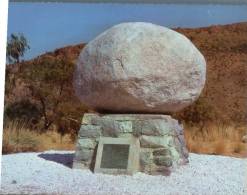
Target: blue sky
(48, 26)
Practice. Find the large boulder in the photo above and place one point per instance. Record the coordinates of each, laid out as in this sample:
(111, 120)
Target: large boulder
(139, 68)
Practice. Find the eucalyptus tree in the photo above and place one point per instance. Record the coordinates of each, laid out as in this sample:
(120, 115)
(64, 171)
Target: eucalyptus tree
(17, 45)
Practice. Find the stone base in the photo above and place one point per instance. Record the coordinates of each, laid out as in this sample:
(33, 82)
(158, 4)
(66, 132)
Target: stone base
(162, 145)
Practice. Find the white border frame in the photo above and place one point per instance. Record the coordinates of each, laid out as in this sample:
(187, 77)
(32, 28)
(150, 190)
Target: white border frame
(3, 41)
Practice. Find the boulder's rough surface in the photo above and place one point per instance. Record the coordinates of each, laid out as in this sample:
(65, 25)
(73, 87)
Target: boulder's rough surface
(161, 139)
(139, 68)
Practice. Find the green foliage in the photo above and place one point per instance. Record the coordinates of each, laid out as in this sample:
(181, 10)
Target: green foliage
(49, 80)
(50, 70)
(23, 110)
(17, 45)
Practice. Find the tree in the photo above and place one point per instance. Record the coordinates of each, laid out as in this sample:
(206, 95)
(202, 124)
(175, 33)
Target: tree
(17, 45)
(49, 80)
(23, 110)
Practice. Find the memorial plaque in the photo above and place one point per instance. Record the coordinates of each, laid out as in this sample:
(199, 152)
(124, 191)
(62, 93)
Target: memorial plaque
(115, 156)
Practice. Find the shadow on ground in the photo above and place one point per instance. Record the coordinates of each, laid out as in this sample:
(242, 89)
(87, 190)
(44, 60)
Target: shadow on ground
(64, 159)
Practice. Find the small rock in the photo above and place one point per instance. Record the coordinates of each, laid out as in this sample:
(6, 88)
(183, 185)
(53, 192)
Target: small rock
(162, 152)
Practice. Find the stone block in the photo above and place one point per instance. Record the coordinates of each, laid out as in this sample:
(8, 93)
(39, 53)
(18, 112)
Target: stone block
(110, 128)
(125, 135)
(132, 117)
(125, 126)
(146, 157)
(154, 141)
(94, 118)
(153, 127)
(88, 118)
(84, 155)
(163, 161)
(86, 143)
(90, 131)
(174, 153)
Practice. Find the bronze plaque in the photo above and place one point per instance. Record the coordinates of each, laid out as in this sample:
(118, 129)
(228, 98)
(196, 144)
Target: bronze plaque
(115, 156)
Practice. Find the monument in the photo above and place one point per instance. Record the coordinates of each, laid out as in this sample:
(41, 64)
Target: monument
(135, 75)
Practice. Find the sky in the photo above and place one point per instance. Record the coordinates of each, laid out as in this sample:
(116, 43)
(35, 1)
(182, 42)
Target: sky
(48, 26)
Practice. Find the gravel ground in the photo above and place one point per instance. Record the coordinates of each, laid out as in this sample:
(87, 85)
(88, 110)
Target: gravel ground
(50, 173)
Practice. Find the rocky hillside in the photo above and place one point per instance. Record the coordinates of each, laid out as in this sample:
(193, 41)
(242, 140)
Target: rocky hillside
(225, 50)
(225, 93)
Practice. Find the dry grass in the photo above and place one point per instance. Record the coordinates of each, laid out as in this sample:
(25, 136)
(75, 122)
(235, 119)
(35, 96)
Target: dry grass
(219, 139)
(18, 138)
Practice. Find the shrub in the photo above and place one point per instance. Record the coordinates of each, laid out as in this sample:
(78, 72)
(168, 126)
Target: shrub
(23, 110)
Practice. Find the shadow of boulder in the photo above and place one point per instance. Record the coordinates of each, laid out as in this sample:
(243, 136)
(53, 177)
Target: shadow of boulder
(64, 159)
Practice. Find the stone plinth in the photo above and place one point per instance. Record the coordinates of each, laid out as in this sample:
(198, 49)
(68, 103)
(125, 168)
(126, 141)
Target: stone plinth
(160, 137)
